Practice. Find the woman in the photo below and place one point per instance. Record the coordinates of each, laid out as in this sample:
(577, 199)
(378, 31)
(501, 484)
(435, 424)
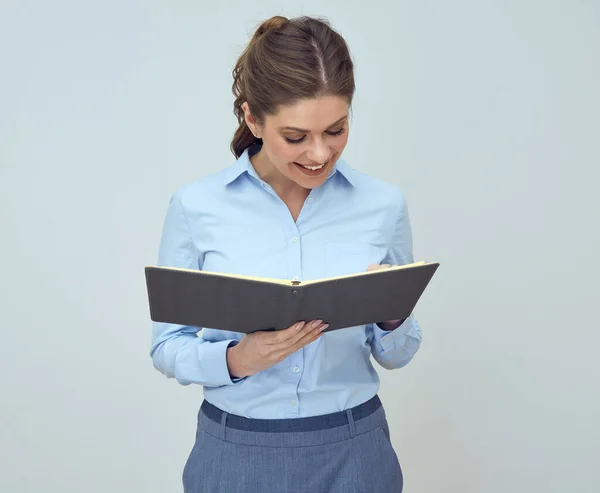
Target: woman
(297, 409)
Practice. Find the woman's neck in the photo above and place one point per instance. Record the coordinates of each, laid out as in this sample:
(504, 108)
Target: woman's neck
(288, 190)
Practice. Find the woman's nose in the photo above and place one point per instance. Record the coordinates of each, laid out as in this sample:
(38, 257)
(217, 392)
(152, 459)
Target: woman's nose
(319, 152)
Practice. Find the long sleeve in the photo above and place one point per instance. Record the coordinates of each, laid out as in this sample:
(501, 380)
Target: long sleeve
(177, 351)
(395, 348)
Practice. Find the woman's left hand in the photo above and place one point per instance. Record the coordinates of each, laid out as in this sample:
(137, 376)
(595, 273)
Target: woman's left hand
(388, 324)
(378, 267)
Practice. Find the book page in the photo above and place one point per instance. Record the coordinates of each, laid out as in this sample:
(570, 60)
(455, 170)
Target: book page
(393, 267)
(224, 274)
(286, 282)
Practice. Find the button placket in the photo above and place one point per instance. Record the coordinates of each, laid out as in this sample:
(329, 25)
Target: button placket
(294, 249)
(294, 272)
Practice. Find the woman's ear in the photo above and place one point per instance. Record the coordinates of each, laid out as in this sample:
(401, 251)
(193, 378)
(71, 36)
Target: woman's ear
(250, 120)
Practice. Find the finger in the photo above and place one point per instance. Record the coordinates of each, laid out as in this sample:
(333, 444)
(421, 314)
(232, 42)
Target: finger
(305, 340)
(281, 336)
(311, 336)
(306, 336)
(307, 328)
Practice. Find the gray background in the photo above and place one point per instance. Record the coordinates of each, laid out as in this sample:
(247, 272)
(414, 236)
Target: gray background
(485, 113)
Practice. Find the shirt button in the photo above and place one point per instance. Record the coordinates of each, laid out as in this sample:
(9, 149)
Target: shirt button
(294, 239)
(296, 369)
(310, 200)
(293, 403)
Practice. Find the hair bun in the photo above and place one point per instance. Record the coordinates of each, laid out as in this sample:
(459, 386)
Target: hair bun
(273, 23)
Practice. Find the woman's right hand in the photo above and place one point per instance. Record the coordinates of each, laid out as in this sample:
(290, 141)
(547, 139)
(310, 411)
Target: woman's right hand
(263, 349)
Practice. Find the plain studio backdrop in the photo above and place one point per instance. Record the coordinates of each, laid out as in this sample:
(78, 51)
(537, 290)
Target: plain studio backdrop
(486, 114)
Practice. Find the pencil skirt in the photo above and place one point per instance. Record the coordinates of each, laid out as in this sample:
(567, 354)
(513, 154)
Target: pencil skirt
(344, 452)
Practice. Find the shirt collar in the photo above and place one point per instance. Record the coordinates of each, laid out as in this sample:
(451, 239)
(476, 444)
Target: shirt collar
(244, 165)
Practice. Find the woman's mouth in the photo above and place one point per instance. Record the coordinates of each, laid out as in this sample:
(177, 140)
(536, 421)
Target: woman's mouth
(312, 170)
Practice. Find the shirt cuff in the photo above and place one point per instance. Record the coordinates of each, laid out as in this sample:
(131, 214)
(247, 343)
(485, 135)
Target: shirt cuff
(214, 363)
(390, 339)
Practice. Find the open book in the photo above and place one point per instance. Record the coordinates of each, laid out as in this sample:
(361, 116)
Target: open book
(247, 304)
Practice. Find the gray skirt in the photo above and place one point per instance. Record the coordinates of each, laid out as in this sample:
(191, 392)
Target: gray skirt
(344, 452)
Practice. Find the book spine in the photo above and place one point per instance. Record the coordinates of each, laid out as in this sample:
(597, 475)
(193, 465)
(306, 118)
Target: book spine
(290, 307)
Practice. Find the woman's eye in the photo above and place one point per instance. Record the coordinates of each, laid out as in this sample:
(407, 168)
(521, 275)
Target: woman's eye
(338, 132)
(301, 139)
(294, 141)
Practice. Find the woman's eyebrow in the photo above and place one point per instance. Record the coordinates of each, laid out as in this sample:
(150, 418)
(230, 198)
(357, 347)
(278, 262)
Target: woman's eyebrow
(296, 129)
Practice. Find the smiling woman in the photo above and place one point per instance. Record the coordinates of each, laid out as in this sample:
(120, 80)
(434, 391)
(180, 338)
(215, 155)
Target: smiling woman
(300, 143)
(289, 410)
(299, 111)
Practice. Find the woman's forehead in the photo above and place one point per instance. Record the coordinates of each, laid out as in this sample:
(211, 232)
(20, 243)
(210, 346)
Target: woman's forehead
(310, 114)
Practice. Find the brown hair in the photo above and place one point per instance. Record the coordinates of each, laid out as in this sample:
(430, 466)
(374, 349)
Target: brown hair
(288, 60)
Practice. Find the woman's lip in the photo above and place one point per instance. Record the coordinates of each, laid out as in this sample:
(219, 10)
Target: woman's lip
(312, 165)
(312, 173)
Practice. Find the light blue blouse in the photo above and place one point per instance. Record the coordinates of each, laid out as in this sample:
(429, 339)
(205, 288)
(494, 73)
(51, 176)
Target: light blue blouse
(233, 222)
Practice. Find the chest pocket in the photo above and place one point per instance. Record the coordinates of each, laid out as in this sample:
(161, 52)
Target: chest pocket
(343, 258)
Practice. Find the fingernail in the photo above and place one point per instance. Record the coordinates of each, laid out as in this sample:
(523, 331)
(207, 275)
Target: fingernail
(299, 325)
(316, 323)
(324, 327)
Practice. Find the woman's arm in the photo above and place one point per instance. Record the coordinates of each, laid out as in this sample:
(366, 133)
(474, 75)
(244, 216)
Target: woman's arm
(176, 350)
(394, 343)
(394, 349)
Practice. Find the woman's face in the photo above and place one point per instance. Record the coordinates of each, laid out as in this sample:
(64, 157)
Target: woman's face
(302, 142)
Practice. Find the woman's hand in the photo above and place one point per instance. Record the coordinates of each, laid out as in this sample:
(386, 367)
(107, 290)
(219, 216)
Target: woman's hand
(378, 267)
(388, 324)
(263, 349)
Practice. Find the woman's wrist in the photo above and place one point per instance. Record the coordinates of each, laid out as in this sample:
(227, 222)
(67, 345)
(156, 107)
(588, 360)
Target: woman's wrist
(236, 370)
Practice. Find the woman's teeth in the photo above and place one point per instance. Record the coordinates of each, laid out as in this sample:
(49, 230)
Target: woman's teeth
(313, 168)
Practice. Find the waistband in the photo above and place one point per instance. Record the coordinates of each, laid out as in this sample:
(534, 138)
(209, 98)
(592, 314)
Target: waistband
(295, 432)
(311, 423)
